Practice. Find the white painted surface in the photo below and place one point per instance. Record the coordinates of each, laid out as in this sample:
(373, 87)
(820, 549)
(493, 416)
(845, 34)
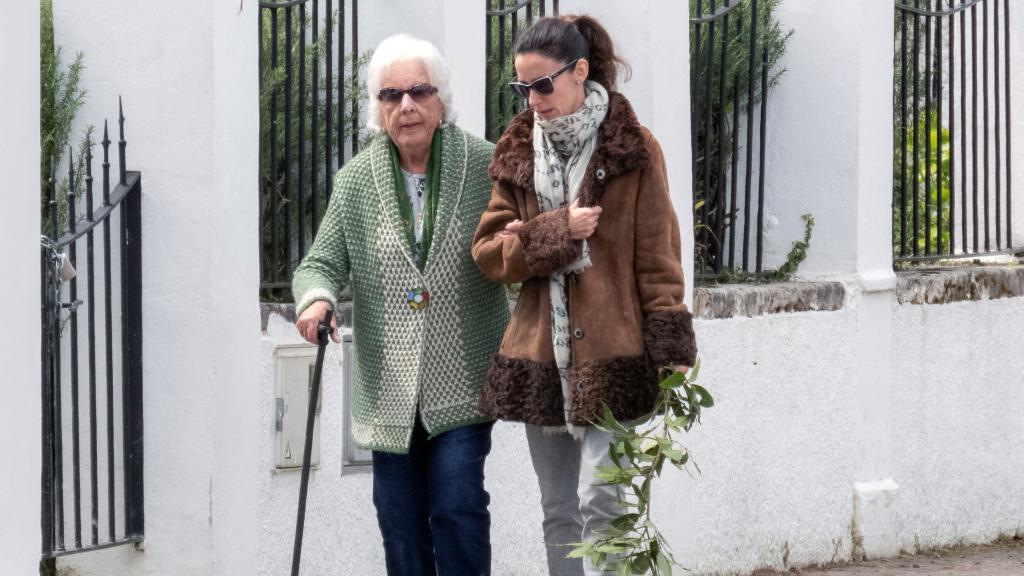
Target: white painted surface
(231, 325)
(959, 420)
(464, 33)
(20, 538)
(189, 89)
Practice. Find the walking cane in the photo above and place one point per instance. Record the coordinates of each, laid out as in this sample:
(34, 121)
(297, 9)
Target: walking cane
(323, 330)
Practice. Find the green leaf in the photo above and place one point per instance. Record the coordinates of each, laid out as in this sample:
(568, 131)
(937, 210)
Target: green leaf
(705, 397)
(641, 563)
(675, 380)
(694, 372)
(626, 522)
(663, 564)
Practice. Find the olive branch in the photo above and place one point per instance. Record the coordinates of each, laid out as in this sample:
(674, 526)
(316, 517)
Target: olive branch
(631, 544)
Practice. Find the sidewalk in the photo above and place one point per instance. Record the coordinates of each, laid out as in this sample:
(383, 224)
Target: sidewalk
(1003, 558)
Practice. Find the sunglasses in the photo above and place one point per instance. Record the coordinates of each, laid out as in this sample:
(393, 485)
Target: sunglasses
(418, 92)
(544, 85)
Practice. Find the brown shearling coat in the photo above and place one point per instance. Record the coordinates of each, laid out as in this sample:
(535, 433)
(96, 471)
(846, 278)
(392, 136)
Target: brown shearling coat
(627, 315)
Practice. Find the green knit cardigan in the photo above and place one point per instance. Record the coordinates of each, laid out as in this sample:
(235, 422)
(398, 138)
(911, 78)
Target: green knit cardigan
(409, 355)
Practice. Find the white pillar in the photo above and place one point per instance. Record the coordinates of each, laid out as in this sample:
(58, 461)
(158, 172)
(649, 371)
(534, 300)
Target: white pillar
(465, 29)
(670, 119)
(235, 277)
(188, 74)
(875, 530)
(20, 411)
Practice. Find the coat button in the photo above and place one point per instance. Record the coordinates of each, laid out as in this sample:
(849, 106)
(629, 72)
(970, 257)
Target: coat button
(578, 333)
(599, 174)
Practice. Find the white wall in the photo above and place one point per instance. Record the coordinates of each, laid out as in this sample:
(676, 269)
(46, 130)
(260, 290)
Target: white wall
(958, 420)
(20, 538)
(188, 76)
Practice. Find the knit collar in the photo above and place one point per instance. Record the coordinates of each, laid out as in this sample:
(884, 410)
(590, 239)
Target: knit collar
(451, 185)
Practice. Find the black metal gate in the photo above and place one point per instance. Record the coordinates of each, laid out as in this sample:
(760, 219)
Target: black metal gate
(311, 90)
(952, 177)
(505, 20)
(109, 325)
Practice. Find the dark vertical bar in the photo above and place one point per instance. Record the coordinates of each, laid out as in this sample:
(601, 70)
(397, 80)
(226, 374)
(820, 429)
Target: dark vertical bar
(555, 12)
(502, 64)
(963, 133)
(131, 346)
(329, 79)
(341, 82)
(261, 169)
(985, 135)
(695, 110)
(542, 6)
(735, 160)
(952, 131)
(355, 75)
(90, 266)
(314, 104)
(760, 168)
(273, 264)
(122, 144)
(928, 86)
(915, 193)
(46, 469)
(108, 337)
(996, 124)
(709, 108)
(529, 13)
(488, 75)
(301, 180)
(750, 133)
(289, 52)
(58, 427)
(938, 127)
(73, 361)
(903, 133)
(1009, 156)
(974, 121)
(720, 203)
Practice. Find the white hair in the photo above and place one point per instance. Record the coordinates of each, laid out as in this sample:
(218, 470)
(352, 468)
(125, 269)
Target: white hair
(404, 48)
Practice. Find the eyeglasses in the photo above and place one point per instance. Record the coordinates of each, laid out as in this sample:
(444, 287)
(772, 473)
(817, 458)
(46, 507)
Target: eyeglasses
(418, 92)
(544, 85)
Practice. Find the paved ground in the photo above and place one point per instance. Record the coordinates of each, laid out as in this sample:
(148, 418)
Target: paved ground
(1005, 558)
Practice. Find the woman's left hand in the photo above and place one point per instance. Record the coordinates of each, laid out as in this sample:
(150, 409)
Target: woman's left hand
(681, 368)
(510, 229)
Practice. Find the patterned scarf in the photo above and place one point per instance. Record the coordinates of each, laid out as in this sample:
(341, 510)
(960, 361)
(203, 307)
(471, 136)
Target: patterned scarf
(562, 148)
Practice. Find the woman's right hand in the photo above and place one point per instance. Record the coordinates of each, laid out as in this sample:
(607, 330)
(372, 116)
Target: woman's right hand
(310, 319)
(582, 221)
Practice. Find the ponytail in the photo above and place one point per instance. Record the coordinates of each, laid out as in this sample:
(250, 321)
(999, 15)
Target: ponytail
(570, 37)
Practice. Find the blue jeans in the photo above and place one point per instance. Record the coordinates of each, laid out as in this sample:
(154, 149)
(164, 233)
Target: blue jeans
(432, 505)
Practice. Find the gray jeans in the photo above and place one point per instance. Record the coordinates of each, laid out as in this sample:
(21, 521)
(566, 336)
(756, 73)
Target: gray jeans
(574, 504)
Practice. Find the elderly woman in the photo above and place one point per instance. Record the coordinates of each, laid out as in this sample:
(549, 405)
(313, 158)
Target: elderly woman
(580, 214)
(425, 320)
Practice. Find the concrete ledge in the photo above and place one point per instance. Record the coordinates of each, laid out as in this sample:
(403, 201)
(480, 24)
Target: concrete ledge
(287, 311)
(959, 284)
(749, 300)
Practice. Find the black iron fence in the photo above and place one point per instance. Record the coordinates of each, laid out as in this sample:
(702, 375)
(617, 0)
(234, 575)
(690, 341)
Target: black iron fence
(92, 475)
(730, 63)
(505, 20)
(310, 101)
(952, 189)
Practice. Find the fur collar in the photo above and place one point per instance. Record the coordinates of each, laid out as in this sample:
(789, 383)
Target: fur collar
(621, 148)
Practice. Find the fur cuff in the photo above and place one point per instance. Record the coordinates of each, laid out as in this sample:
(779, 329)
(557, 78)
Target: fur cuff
(669, 338)
(547, 245)
(524, 391)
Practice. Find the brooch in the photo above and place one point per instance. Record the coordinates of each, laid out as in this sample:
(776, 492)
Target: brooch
(417, 298)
